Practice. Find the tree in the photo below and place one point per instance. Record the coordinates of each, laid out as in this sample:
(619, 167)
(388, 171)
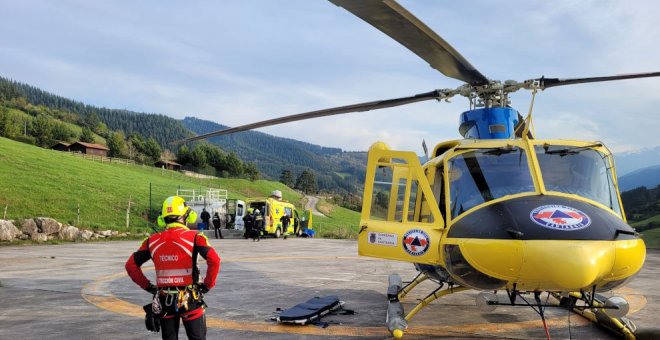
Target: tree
(382, 199)
(251, 171)
(87, 136)
(116, 144)
(214, 157)
(152, 149)
(8, 91)
(286, 177)
(8, 126)
(42, 130)
(92, 121)
(307, 182)
(62, 132)
(198, 156)
(184, 156)
(234, 165)
(137, 141)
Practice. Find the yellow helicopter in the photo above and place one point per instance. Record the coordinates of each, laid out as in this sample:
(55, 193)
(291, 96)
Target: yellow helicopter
(498, 210)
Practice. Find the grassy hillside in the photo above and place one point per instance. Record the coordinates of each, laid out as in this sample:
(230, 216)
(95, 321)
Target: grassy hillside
(652, 238)
(18, 115)
(40, 182)
(655, 220)
(338, 222)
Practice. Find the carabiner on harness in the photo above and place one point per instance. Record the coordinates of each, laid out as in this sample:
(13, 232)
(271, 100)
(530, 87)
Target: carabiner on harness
(169, 299)
(155, 306)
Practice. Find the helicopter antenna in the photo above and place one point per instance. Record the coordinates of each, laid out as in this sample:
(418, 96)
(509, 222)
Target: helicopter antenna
(426, 150)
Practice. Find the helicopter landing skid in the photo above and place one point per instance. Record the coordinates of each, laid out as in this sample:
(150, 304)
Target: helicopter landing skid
(593, 308)
(397, 320)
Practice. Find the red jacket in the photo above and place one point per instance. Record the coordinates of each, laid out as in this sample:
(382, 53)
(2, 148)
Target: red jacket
(174, 253)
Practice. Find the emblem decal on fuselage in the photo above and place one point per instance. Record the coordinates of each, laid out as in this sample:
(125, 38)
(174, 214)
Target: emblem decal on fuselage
(560, 217)
(416, 242)
(383, 239)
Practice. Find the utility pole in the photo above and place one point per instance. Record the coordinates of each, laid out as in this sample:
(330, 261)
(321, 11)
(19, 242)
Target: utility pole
(128, 212)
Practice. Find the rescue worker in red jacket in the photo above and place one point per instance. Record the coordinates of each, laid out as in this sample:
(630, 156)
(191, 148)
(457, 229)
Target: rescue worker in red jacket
(177, 292)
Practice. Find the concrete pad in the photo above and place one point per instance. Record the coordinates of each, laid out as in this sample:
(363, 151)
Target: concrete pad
(80, 291)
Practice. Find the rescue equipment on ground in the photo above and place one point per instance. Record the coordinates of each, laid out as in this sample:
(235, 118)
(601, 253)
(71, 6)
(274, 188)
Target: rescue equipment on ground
(311, 311)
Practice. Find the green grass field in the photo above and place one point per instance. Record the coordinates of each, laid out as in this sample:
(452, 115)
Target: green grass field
(652, 238)
(41, 182)
(655, 219)
(340, 222)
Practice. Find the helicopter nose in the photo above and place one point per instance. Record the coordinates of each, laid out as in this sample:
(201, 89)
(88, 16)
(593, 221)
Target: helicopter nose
(573, 265)
(569, 265)
(555, 265)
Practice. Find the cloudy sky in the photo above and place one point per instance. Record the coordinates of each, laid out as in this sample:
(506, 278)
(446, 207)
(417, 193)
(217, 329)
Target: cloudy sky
(236, 62)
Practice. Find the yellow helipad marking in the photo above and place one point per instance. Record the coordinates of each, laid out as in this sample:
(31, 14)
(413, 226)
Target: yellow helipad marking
(95, 294)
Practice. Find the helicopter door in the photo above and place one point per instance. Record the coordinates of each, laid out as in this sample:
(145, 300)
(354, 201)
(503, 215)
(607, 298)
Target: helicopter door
(400, 217)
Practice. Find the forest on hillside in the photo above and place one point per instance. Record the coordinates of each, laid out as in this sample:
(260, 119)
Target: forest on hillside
(34, 116)
(642, 204)
(335, 170)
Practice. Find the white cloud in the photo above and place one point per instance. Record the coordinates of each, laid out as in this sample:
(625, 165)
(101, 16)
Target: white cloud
(240, 62)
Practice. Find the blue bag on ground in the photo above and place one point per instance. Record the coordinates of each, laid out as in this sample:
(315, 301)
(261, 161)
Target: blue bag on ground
(310, 311)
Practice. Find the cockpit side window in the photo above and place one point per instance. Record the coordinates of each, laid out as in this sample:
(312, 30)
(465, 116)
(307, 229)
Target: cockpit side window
(582, 171)
(397, 195)
(482, 175)
(439, 190)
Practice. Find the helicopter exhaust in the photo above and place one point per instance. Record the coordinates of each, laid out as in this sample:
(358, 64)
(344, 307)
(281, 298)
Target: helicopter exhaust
(395, 319)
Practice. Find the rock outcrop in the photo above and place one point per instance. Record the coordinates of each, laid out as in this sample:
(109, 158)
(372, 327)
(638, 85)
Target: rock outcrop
(42, 229)
(8, 231)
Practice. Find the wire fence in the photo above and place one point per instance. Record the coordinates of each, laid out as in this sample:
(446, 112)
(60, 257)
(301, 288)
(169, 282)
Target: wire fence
(103, 159)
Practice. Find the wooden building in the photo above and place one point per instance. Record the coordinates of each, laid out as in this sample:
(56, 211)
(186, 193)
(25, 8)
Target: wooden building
(61, 146)
(169, 165)
(89, 148)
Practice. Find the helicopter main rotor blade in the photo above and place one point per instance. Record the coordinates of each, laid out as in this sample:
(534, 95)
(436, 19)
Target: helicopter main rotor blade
(395, 21)
(379, 104)
(545, 83)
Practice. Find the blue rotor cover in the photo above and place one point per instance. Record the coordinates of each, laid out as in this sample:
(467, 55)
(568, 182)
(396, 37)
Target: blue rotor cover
(489, 123)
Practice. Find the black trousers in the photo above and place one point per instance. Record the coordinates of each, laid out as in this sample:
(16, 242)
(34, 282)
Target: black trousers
(255, 233)
(195, 329)
(218, 232)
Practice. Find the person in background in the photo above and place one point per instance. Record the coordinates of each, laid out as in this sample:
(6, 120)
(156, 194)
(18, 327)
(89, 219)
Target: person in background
(217, 225)
(258, 226)
(248, 223)
(206, 218)
(286, 220)
(178, 292)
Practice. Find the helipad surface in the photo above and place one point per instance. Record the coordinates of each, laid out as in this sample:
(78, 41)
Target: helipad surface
(81, 291)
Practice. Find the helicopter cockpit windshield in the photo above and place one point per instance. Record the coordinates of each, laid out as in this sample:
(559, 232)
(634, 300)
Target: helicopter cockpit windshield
(481, 175)
(582, 171)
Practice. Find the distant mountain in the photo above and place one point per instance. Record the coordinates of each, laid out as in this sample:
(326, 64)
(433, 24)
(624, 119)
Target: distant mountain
(627, 162)
(333, 167)
(648, 177)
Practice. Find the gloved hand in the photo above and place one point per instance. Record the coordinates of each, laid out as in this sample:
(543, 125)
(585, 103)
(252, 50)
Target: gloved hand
(151, 320)
(151, 288)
